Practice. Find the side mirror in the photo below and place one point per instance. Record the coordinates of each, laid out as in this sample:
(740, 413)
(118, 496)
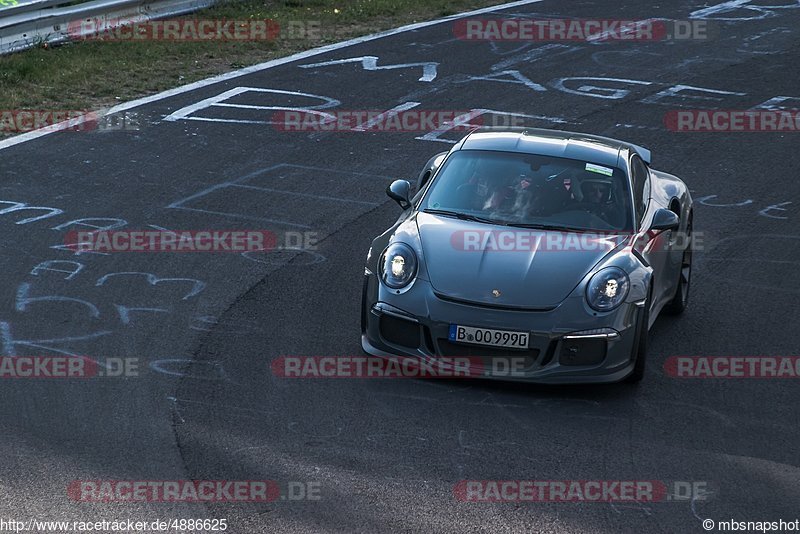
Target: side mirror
(399, 191)
(665, 219)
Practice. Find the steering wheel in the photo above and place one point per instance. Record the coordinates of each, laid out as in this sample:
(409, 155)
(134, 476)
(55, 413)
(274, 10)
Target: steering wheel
(591, 207)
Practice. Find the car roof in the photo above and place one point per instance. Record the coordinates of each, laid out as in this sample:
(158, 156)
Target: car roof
(556, 143)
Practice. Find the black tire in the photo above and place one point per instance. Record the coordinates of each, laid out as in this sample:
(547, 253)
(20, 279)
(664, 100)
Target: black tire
(639, 352)
(681, 299)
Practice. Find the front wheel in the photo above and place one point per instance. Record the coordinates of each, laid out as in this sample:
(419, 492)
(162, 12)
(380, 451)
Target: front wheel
(681, 298)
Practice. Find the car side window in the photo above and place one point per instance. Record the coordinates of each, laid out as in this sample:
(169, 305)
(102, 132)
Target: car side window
(641, 186)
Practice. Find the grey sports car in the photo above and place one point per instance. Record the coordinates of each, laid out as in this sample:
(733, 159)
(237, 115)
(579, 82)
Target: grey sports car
(543, 256)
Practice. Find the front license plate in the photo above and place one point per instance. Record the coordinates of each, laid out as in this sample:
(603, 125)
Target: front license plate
(488, 337)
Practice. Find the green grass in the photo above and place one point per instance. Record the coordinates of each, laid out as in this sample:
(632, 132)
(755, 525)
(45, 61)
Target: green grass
(98, 74)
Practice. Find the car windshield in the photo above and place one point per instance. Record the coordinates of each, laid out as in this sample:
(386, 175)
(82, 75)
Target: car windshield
(531, 191)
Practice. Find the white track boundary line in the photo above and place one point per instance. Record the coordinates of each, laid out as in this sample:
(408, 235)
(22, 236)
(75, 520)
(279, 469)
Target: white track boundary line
(29, 136)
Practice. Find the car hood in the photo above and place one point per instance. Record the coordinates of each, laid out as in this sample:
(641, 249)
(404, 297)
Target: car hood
(531, 269)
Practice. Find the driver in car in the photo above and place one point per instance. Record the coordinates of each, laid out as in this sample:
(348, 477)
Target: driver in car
(509, 196)
(599, 199)
(597, 192)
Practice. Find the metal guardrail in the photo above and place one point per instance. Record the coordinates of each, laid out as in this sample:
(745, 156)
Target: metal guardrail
(15, 7)
(29, 24)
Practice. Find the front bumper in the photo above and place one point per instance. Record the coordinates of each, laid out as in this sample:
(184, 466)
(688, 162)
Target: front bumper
(565, 346)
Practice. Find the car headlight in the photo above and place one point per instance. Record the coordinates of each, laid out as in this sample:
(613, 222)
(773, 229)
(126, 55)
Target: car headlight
(607, 289)
(398, 265)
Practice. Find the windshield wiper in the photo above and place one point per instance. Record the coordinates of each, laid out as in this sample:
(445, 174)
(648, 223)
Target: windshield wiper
(548, 227)
(462, 216)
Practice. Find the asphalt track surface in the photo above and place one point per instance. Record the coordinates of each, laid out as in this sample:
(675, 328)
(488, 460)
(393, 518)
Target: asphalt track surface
(386, 454)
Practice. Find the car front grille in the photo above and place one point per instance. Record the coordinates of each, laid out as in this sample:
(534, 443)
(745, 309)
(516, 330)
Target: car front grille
(489, 357)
